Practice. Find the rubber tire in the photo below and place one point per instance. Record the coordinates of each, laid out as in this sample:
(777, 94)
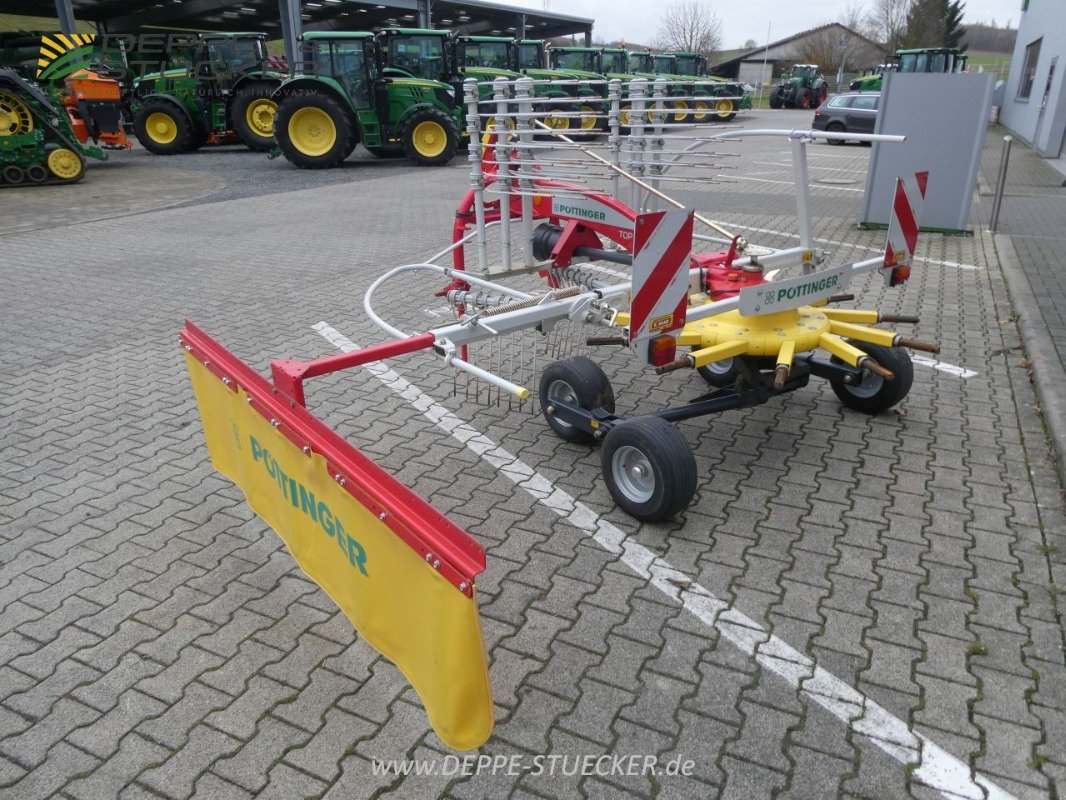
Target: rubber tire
(720, 379)
(776, 101)
(804, 99)
(346, 133)
(566, 109)
(836, 127)
(252, 91)
(672, 463)
(13, 175)
(183, 139)
(442, 119)
(895, 359)
(589, 386)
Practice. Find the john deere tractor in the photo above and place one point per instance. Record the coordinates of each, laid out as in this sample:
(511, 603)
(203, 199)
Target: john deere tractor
(531, 58)
(728, 97)
(343, 95)
(801, 87)
(925, 59)
(214, 90)
(37, 143)
(643, 63)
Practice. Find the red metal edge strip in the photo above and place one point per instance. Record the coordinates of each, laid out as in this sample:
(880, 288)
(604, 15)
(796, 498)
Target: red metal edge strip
(436, 539)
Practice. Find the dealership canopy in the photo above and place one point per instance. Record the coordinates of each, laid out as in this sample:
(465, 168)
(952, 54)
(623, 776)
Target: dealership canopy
(287, 18)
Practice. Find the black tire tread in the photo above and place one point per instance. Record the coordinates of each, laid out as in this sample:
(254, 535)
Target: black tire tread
(346, 132)
(672, 462)
(591, 387)
(438, 116)
(895, 359)
(182, 142)
(244, 97)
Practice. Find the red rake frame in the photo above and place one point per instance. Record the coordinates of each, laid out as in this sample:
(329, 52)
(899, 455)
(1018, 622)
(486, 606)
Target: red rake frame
(436, 539)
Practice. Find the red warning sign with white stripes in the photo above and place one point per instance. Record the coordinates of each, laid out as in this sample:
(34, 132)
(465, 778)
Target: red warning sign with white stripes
(662, 244)
(903, 227)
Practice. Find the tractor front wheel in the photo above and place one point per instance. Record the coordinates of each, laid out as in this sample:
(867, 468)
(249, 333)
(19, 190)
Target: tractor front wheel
(776, 99)
(162, 128)
(874, 393)
(430, 138)
(649, 469)
(314, 131)
(253, 115)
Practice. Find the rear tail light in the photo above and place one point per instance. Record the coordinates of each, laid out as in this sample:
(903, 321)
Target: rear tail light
(662, 350)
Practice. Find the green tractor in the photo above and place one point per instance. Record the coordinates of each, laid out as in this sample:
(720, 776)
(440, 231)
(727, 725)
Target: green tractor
(214, 90)
(437, 56)
(531, 57)
(37, 143)
(645, 64)
(801, 87)
(923, 59)
(343, 95)
(729, 97)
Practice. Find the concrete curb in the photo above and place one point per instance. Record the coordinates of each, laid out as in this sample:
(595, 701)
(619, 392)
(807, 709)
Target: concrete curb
(1049, 376)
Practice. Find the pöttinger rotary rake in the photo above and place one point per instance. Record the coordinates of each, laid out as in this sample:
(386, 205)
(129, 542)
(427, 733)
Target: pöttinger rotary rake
(584, 216)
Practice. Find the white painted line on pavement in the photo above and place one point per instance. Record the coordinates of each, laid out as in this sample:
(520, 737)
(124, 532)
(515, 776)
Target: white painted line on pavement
(937, 768)
(825, 169)
(950, 369)
(955, 264)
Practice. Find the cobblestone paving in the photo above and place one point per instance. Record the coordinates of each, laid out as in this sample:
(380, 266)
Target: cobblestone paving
(157, 640)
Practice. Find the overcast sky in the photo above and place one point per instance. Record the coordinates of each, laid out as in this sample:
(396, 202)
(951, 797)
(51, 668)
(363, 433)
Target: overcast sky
(638, 20)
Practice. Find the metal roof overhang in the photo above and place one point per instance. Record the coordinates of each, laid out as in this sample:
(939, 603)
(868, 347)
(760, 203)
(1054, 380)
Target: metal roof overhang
(462, 16)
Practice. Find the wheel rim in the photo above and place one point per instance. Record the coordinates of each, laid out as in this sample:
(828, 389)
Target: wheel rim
(588, 118)
(260, 116)
(720, 367)
(15, 116)
(870, 385)
(724, 108)
(633, 474)
(701, 110)
(561, 390)
(430, 139)
(680, 110)
(161, 127)
(558, 122)
(64, 164)
(623, 116)
(312, 132)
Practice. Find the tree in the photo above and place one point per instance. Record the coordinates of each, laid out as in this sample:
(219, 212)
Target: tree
(690, 26)
(934, 23)
(887, 22)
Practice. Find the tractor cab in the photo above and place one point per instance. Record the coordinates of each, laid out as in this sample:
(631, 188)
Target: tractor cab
(347, 59)
(805, 72)
(931, 59)
(582, 59)
(528, 54)
(416, 53)
(691, 64)
(492, 53)
(641, 62)
(666, 64)
(614, 63)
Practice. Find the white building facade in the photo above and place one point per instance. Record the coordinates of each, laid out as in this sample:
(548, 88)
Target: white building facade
(1034, 106)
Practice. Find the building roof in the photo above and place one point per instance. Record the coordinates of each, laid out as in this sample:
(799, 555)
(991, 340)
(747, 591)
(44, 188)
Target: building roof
(757, 53)
(471, 16)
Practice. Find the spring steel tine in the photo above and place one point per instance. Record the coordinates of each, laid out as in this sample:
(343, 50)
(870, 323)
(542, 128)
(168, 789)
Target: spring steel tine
(646, 186)
(897, 318)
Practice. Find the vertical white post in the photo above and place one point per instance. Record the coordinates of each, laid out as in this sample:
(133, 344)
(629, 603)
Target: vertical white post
(614, 97)
(638, 90)
(500, 94)
(659, 116)
(524, 95)
(803, 195)
(477, 177)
